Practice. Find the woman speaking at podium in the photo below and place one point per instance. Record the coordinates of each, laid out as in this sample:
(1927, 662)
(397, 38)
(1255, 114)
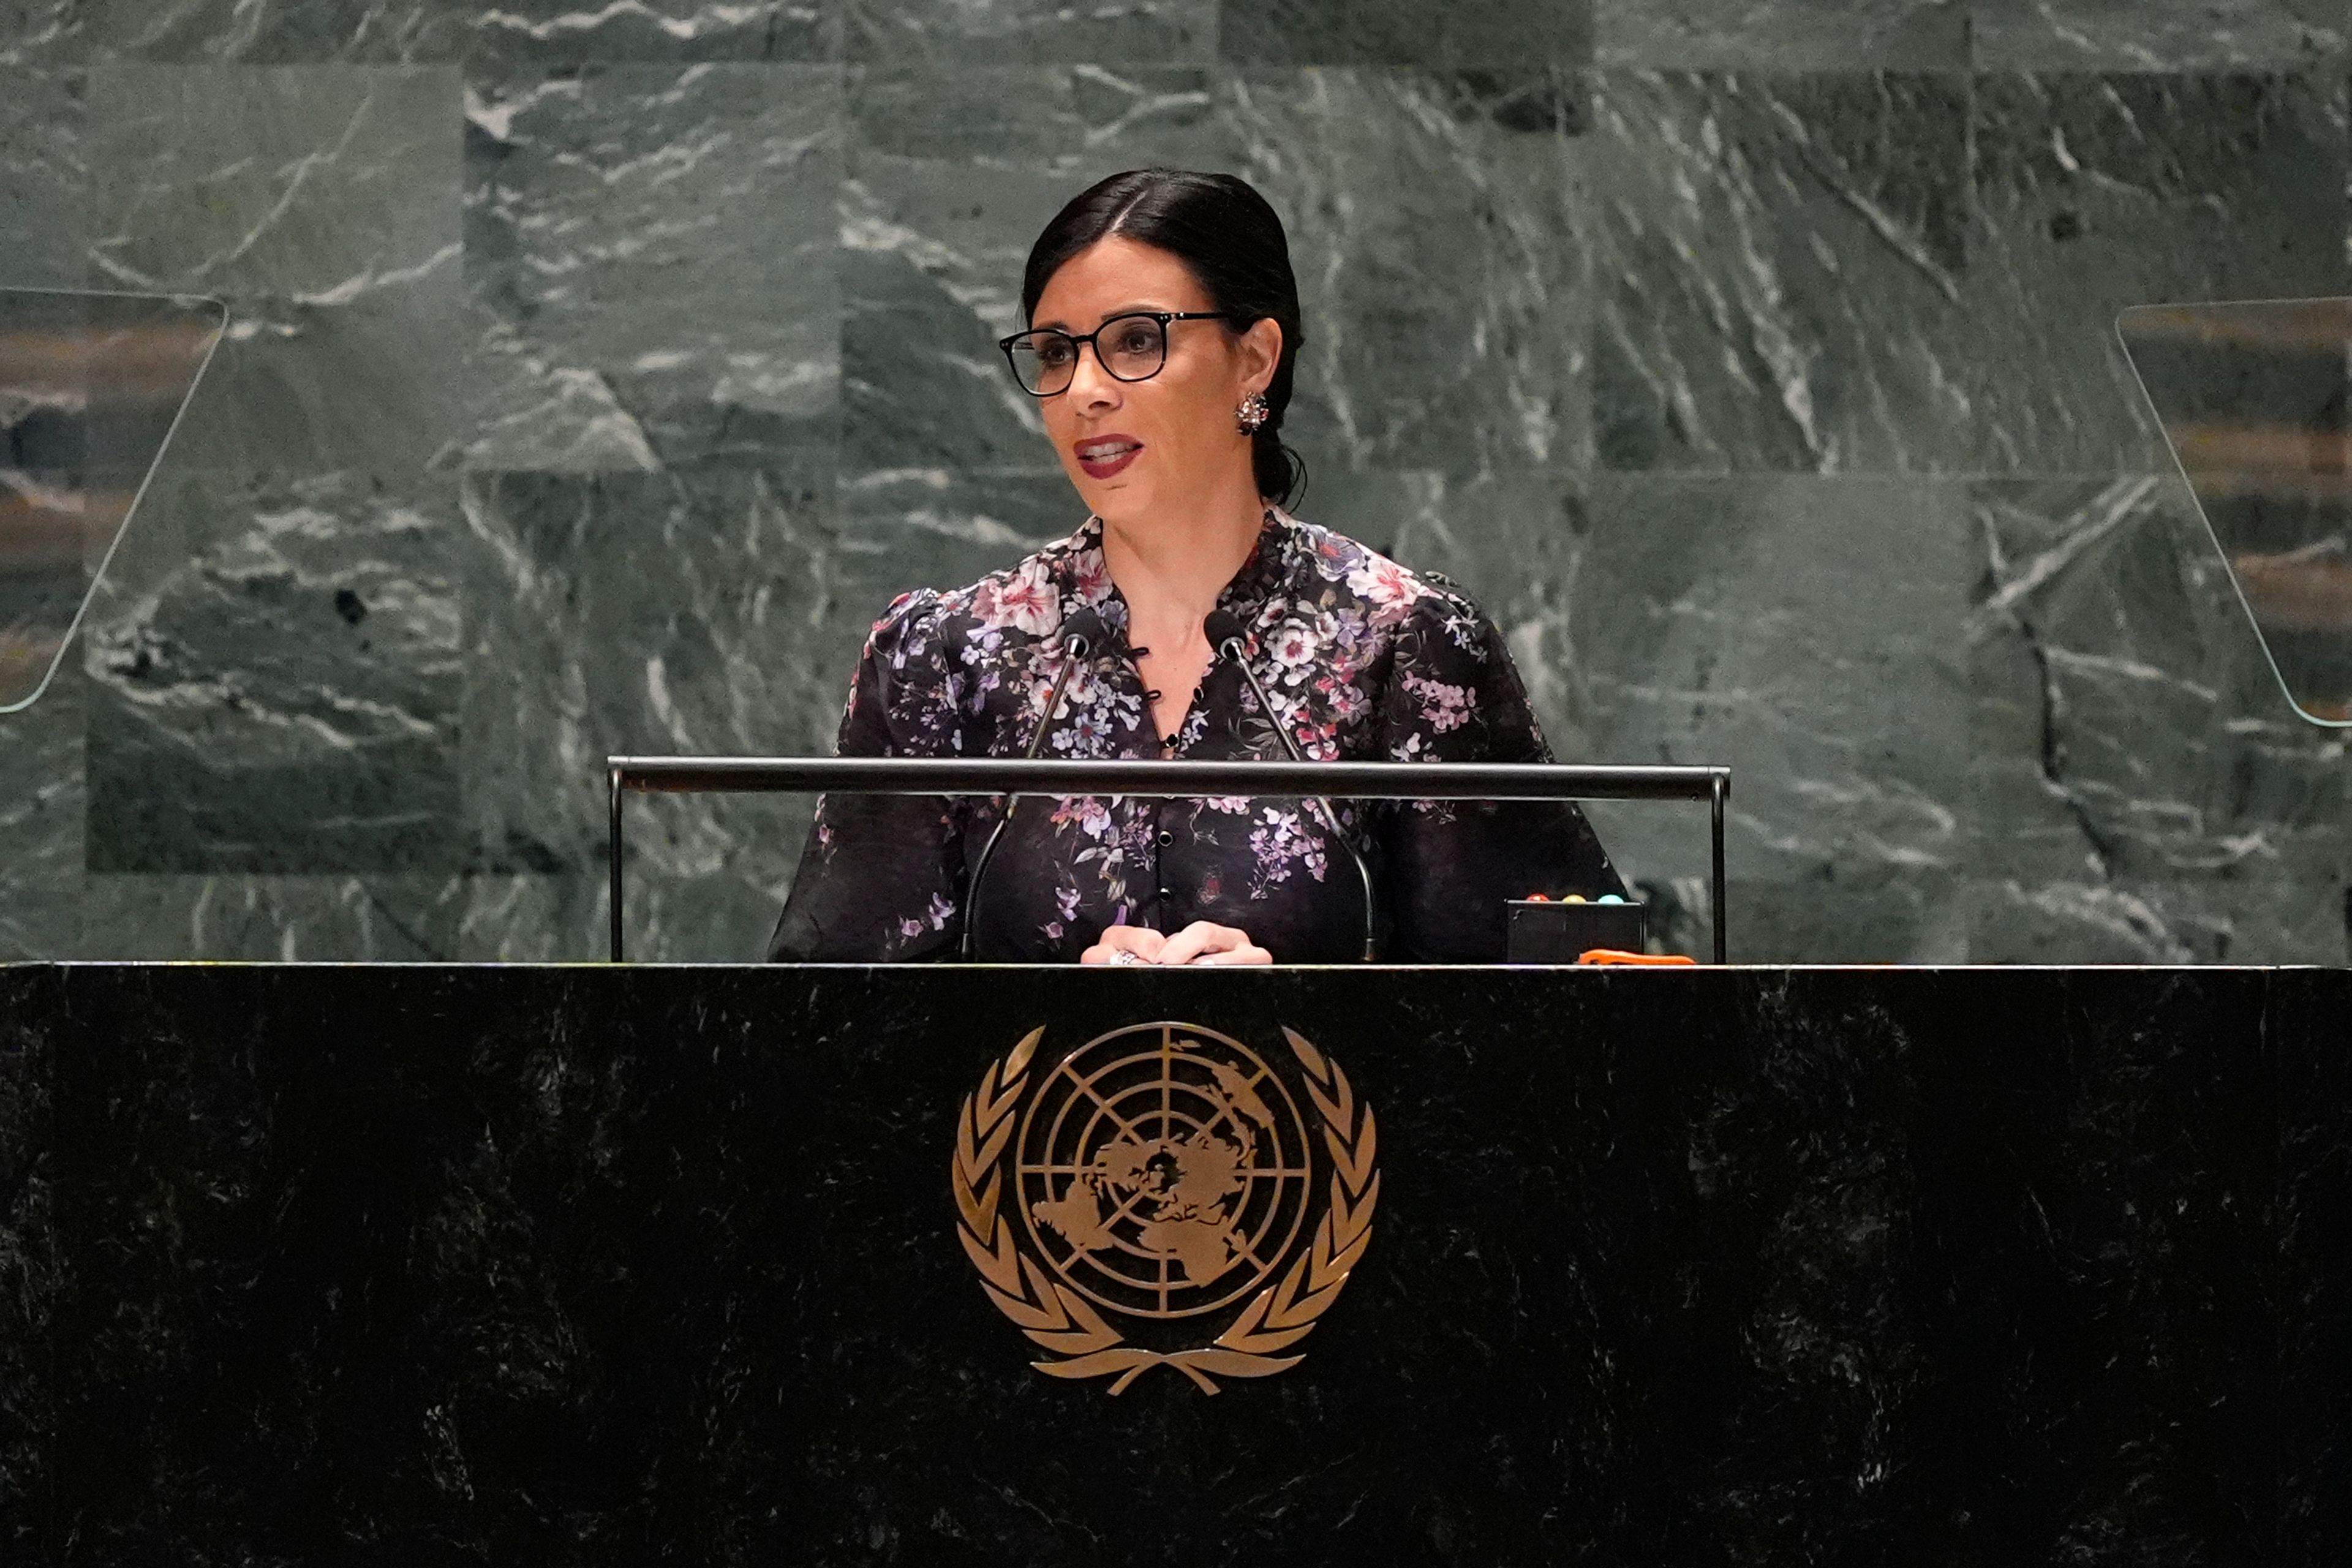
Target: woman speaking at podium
(1163, 331)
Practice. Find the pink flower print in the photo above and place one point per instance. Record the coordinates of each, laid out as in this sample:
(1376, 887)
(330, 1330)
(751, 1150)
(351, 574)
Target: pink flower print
(1293, 646)
(1275, 844)
(1093, 576)
(1382, 582)
(1442, 707)
(1024, 600)
(1091, 815)
(939, 911)
(910, 928)
(1231, 805)
(1271, 866)
(890, 614)
(1332, 558)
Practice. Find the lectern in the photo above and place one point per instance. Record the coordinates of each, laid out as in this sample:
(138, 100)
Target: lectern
(618, 1263)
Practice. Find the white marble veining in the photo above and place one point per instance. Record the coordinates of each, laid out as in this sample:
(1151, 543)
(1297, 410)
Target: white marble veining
(597, 372)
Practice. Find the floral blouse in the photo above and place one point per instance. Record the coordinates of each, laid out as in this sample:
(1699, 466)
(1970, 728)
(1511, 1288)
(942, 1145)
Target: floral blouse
(1363, 661)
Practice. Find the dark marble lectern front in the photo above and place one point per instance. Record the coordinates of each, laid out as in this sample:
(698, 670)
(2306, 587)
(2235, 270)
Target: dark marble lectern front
(604, 1265)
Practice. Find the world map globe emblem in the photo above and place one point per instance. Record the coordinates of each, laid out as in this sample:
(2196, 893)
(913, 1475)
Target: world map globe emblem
(1163, 1170)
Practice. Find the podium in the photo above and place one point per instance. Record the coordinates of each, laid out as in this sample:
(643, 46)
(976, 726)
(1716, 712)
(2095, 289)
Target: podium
(601, 1264)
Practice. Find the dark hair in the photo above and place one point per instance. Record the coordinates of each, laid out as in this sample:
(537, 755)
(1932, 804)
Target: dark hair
(1220, 228)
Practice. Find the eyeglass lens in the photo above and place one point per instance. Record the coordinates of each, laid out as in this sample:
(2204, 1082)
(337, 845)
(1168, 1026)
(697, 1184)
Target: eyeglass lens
(1131, 347)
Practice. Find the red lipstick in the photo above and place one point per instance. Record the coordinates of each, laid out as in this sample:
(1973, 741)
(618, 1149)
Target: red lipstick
(1103, 455)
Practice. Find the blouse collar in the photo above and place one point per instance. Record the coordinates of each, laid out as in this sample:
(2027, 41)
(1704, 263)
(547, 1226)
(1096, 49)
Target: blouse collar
(1085, 581)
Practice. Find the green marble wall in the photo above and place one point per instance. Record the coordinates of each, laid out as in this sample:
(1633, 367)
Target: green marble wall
(598, 372)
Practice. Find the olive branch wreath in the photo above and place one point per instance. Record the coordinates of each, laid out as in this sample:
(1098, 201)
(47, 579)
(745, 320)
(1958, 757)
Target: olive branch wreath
(1066, 1324)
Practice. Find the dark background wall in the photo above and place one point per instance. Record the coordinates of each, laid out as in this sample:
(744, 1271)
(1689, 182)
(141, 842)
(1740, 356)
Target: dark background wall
(598, 375)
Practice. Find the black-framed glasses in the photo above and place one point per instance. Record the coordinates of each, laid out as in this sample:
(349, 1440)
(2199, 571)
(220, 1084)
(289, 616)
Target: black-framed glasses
(1132, 347)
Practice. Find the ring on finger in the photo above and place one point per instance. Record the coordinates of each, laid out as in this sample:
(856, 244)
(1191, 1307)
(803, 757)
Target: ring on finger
(1124, 956)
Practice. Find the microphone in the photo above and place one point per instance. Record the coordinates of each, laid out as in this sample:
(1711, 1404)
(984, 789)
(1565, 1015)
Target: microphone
(1082, 632)
(1224, 630)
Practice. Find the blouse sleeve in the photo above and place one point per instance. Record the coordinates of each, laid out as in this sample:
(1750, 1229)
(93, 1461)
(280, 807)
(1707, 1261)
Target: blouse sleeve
(1454, 696)
(881, 877)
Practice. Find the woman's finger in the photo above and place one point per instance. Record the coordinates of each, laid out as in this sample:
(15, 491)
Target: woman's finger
(1200, 937)
(1186, 944)
(1140, 941)
(1248, 953)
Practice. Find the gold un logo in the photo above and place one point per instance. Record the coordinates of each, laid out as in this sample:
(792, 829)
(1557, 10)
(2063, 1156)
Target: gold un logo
(1163, 1178)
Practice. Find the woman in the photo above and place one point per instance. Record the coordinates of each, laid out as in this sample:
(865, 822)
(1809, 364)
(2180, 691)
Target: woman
(1163, 328)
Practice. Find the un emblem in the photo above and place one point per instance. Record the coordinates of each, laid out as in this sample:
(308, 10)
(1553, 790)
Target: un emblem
(1162, 1173)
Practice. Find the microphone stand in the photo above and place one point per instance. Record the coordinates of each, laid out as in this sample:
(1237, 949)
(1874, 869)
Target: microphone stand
(1078, 642)
(1227, 632)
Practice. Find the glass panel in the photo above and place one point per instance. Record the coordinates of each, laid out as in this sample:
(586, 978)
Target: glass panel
(90, 388)
(2252, 399)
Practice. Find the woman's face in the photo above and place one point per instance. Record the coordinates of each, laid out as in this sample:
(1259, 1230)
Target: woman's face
(1138, 451)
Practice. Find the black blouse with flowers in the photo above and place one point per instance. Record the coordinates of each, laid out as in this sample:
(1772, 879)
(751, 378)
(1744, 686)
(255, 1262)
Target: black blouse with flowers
(1363, 659)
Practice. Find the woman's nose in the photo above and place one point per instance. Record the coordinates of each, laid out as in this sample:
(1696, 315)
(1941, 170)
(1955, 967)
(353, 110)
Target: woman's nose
(1091, 386)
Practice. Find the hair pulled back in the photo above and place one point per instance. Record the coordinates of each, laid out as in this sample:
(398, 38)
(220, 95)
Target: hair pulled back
(1231, 239)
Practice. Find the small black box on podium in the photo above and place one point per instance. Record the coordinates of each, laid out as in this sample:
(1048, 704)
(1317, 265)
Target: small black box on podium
(1546, 930)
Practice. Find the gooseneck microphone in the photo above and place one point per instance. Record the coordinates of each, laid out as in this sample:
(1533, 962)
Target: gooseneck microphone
(1082, 632)
(1224, 630)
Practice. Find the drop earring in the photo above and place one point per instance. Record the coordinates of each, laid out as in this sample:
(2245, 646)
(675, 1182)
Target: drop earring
(1252, 413)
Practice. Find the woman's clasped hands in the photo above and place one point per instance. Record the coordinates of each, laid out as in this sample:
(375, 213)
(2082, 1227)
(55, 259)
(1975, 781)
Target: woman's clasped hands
(1202, 941)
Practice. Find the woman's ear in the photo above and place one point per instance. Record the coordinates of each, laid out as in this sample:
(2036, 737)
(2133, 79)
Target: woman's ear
(1261, 354)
